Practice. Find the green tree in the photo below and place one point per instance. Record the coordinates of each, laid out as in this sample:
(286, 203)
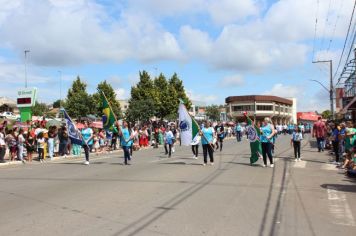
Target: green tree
(144, 89)
(326, 114)
(141, 110)
(213, 112)
(178, 86)
(166, 104)
(79, 103)
(39, 109)
(111, 97)
(57, 103)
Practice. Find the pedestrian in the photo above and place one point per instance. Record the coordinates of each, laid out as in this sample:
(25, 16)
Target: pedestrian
(11, 142)
(296, 140)
(195, 146)
(238, 130)
(63, 141)
(133, 137)
(52, 133)
(208, 134)
(30, 146)
(20, 146)
(335, 142)
(87, 137)
(319, 132)
(168, 141)
(267, 133)
(219, 129)
(125, 134)
(2, 145)
(40, 146)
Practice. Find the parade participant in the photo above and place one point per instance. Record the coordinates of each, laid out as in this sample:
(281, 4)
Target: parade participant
(2, 145)
(208, 135)
(319, 131)
(125, 134)
(219, 129)
(238, 130)
(168, 140)
(20, 146)
(267, 131)
(195, 146)
(87, 137)
(40, 146)
(144, 137)
(295, 141)
(30, 146)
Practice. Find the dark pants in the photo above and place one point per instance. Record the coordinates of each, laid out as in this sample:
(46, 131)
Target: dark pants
(40, 153)
(296, 145)
(267, 151)
(113, 143)
(238, 136)
(168, 150)
(87, 149)
(320, 142)
(63, 148)
(126, 154)
(207, 148)
(336, 150)
(195, 150)
(2, 153)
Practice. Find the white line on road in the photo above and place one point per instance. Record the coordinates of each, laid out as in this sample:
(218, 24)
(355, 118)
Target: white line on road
(339, 208)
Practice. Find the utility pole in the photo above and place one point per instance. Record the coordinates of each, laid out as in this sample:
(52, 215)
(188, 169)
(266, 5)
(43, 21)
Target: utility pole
(331, 90)
(26, 51)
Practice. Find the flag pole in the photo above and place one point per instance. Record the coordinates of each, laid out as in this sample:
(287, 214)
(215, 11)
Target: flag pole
(109, 104)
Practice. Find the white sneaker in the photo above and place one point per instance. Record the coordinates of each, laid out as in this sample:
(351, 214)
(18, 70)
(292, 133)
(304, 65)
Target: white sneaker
(296, 160)
(299, 159)
(86, 163)
(211, 163)
(173, 150)
(263, 165)
(272, 165)
(204, 164)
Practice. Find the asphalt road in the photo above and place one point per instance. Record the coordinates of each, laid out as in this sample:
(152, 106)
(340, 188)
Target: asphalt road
(157, 195)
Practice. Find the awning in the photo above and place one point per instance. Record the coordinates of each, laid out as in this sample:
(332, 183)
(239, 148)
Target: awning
(346, 108)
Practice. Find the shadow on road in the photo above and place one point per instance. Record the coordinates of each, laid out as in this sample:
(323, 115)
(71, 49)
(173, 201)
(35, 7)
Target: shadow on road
(340, 187)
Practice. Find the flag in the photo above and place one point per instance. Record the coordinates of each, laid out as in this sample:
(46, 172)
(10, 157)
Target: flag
(253, 135)
(189, 128)
(73, 132)
(108, 114)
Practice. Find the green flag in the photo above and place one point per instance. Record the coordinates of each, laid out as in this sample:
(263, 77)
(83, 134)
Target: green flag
(108, 115)
(254, 137)
(189, 128)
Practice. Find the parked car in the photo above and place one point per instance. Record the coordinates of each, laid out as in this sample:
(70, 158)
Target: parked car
(8, 115)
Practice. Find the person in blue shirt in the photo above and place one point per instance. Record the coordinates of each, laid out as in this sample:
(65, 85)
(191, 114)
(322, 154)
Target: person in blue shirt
(267, 132)
(238, 130)
(297, 137)
(168, 140)
(126, 140)
(208, 135)
(87, 137)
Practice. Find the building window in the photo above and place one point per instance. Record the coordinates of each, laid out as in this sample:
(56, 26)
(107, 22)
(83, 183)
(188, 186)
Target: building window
(242, 108)
(264, 107)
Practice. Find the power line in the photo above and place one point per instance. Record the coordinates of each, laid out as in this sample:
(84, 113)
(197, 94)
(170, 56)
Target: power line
(347, 36)
(316, 24)
(336, 21)
(326, 24)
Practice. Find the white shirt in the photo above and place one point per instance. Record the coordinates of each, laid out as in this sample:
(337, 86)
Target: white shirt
(2, 139)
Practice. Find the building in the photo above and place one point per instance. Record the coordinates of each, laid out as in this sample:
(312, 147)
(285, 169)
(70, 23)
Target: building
(280, 110)
(7, 104)
(124, 105)
(198, 110)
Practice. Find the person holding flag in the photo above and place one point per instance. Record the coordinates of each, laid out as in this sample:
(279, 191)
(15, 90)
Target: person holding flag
(87, 137)
(253, 132)
(267, 133)
(208, 134)
(126, 140)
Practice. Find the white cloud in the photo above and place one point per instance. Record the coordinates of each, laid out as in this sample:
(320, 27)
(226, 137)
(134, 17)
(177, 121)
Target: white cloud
(196, 42)
(231, 81)
(121, 94)
(198, 97)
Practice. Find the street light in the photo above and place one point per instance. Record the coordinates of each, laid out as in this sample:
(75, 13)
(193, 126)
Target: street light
(331, 90)
(26, 51)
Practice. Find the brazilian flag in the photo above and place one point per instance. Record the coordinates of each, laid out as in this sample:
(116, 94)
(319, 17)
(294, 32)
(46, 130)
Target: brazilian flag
(253, 135)
(108, 115)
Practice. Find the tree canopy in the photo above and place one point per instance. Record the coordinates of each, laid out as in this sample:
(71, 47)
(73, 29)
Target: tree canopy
(213, 112)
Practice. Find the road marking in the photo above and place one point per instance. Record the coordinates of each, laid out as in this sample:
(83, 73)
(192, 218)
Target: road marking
(339, 208)
(300, 164)
(328, 167)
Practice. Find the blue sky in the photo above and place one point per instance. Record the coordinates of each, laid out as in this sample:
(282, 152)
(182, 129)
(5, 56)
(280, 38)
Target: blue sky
(218, 48)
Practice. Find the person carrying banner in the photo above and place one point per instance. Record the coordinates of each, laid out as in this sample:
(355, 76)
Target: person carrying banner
(126, 140)
(87, 136)
(208, 134)
(195, 146)
(267, 132)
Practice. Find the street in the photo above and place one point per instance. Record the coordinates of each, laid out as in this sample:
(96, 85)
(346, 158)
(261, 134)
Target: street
(157, 195)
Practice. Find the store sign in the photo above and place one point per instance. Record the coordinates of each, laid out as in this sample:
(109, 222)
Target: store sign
(26, 97)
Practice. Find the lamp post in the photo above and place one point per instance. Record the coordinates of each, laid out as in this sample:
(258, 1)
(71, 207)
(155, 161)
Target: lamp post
(26, 51)
(331, 89)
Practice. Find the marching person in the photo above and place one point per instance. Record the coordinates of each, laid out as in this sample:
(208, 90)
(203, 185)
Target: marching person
(87, 136)
(238, 130)
(219, 129)
(207, 139)
(296, 140)
(125, 135)
(195, 146)
(267, 132)
(168, 140)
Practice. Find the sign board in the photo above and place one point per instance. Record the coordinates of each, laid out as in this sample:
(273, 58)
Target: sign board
(26, 97)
